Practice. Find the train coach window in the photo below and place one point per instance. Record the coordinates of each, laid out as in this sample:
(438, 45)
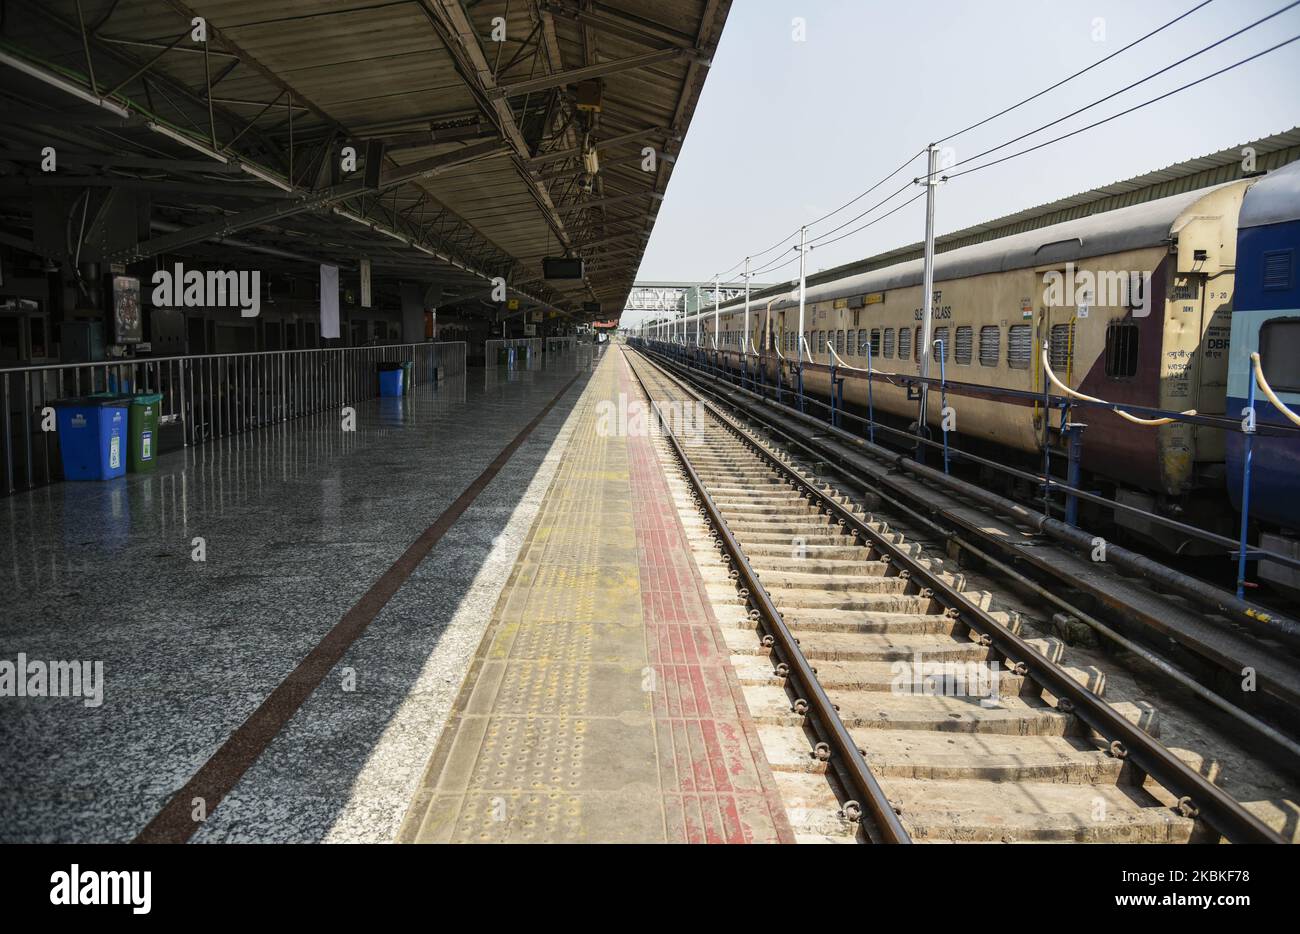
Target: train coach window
(1279, 353)
(862, 342)
(990, 345)
(875, 342)
(1121, 349)
(904, 343)
(851, 349)
(916, 345)
(821, 342)
(887, 350)
(962, 349)
(940, 339)
(1020, 344)
(1062, 348)
(840, 347)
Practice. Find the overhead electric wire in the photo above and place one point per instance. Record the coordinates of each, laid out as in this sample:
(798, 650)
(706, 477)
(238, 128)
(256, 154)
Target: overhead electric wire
(877, 220)
(1129, 87)
(861, 195)
(771, 265)
(980, 123)
(821, 240)
(1100, 61)
(1122, 113)
(859, 217)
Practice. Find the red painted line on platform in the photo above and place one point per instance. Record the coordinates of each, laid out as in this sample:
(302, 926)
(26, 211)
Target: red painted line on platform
(219, 775)
(717, 785)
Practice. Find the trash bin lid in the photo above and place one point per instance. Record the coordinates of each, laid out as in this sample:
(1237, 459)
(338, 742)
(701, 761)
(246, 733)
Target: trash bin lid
(389, 365)
(107, 399)
(146, 398)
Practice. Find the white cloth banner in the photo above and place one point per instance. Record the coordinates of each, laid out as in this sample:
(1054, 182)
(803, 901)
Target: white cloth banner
(329, 301)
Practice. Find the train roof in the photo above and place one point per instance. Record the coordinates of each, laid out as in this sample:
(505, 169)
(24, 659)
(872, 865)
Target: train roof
(1274, 199)
(1129, 228)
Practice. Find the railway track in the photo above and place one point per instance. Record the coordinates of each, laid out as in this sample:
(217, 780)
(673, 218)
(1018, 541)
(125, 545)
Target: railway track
(893, 706)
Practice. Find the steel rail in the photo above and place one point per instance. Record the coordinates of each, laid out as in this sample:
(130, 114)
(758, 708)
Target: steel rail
(1286, 692)
(846, 755)
(1198, 798)
(1285, 744)
(1208, 596)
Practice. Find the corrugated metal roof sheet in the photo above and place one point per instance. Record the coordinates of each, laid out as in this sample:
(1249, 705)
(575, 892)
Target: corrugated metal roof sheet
(365, 70)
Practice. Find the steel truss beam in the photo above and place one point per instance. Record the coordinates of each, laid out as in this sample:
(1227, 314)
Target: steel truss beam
(574, 75)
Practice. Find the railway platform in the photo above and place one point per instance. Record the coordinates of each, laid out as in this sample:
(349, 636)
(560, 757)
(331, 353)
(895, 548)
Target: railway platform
(283, 622)
(601, 704)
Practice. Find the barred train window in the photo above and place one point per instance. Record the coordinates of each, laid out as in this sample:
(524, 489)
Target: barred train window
(840, 347)
(888, 349)
(875, 342)
(1020, 343)
(940, 336)
(821, 342)
(852, 348)
(904, 343)
(962, 349)
(990, 345)
(1279, 353)
(862, 341)
(1121, 349)
(1062, 347)
(916, 345)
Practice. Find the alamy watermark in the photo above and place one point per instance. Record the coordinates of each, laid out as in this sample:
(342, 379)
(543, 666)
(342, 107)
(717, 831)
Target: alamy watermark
(80, 886)
(1083, 289)
(946, 678)
(179, 287)
(634, 419)
(35, 678)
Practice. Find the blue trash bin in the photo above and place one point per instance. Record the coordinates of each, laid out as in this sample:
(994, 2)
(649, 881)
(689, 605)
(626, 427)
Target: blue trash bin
(390, 379)
(92, 437)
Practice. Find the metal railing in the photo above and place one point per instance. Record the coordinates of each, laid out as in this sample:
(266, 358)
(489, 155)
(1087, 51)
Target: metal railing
(493, 347)
(206, 396)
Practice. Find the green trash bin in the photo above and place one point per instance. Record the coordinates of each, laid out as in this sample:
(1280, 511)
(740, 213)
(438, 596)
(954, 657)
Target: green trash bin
(408, 376)
(503, 356)
(142, 431)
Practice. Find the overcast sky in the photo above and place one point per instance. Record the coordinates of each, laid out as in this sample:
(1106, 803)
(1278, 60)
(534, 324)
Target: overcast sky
(787, 130)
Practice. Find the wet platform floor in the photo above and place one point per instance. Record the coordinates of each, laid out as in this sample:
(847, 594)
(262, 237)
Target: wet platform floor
(599, 705)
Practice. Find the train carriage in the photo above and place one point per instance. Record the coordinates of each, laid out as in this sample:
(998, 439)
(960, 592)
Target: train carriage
(1266, 319)
(1134, 306)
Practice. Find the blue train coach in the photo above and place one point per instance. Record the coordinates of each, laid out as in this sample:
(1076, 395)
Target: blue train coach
(1266, 319)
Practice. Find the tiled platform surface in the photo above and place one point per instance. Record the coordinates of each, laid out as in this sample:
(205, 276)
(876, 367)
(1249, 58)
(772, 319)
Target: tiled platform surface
(299, 520)
(601, 705)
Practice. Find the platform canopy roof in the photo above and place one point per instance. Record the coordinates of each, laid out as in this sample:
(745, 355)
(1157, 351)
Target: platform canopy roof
(475, 158)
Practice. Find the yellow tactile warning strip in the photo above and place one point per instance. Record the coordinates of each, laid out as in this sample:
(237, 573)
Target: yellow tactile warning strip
(569, 727)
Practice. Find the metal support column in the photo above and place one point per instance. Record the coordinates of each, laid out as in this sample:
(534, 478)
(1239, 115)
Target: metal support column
(927, 300)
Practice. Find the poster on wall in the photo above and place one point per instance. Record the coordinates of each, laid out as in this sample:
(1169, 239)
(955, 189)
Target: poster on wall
(329, 301)
(127, 325)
